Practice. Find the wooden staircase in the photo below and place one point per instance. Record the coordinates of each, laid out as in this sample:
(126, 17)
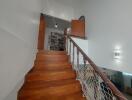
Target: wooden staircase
(52, 78)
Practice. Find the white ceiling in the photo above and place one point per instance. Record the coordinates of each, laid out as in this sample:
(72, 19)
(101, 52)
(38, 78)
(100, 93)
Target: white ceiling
(64, 9)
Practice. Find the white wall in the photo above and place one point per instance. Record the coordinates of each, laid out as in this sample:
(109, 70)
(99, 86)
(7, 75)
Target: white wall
(108, 25)
(18, 40)
(83, 44)
(64, 9)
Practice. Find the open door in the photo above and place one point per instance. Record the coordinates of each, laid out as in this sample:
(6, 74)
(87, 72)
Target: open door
(41, 36)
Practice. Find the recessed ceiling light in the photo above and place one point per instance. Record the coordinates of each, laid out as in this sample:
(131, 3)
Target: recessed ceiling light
(56, 25)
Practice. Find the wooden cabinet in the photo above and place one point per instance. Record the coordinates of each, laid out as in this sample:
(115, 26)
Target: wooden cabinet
(78, 28)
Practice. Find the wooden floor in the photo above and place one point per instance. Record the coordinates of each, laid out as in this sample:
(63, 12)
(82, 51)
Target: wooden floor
(52, 78)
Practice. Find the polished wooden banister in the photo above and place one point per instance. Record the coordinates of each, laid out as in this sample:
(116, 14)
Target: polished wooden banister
(115, 91)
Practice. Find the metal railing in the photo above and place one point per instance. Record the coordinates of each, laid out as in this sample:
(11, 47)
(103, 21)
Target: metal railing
(95, 84)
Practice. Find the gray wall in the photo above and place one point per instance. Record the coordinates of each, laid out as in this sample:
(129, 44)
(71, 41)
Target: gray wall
(48, 33)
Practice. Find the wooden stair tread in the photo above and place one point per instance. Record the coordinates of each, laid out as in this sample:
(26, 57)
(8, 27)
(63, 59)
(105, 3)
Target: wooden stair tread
(55, 56)
(56, 69)
(51, 78)
(75, 96)
(52, 58)
(43, 63)
(60, 90)
(52, 72)
(52, 66)
(39, 84)
(49, 68)
(51, 75)
(52, 52)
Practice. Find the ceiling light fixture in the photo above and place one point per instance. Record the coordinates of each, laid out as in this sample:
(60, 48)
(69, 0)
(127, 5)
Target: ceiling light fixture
(56, 25)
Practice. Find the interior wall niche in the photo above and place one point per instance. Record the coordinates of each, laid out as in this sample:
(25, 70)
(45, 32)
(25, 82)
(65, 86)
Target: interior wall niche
(56, 42)
(54, 32)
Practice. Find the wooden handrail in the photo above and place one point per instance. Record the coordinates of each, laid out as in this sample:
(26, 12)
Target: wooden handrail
(115, 91)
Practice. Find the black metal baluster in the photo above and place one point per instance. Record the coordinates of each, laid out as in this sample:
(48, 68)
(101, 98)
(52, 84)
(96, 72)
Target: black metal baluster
(77, 58)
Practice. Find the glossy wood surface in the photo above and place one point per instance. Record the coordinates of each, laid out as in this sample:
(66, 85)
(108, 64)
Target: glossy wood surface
(41, 34)
(51, 78)
(78, 28)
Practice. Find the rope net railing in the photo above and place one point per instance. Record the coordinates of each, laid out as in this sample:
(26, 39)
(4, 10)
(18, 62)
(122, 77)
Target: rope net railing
(95, 84)
(93, 87)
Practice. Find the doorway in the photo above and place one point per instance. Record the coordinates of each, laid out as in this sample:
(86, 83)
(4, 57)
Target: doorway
(56, 42)
(54, 35)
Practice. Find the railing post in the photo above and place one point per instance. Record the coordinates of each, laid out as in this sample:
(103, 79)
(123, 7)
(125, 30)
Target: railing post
(77, 64)
(70, 48)
(85, 71)
(84, 61)
(73, 56)
(65, 39)
(67, 44)
(77, 58)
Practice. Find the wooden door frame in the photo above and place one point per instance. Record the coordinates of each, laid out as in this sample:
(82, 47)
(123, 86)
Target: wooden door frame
(41, 35)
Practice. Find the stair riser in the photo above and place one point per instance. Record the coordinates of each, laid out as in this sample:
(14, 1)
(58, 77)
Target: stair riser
(52, 67)
(51, 77)
(46, 61)
(74, 96)
(43, 63)
(55, 91)
(53, 58)
(52, 53)
(34, 85)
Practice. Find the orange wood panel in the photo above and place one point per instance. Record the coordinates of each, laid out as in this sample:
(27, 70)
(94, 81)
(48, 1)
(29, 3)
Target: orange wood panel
(41, 35)
(78, 28)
